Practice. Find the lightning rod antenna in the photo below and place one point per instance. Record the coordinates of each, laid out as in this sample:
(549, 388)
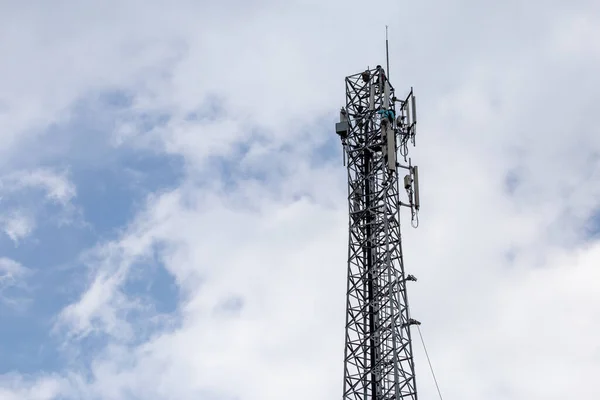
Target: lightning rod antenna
(387, 53)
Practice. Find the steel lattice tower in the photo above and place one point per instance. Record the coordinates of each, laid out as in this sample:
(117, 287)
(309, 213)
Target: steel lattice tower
(378, 357)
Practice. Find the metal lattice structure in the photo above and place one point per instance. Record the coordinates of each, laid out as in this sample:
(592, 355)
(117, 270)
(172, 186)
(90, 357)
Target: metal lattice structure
(378, 357)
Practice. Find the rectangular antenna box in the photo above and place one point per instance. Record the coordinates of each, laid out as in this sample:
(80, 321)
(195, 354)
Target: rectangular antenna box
(341, 128)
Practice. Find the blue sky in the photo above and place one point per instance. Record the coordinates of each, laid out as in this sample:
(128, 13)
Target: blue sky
(173, 216)
(111, 185)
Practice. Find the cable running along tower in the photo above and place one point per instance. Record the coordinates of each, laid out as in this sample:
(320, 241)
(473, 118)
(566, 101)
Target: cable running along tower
(376, 129)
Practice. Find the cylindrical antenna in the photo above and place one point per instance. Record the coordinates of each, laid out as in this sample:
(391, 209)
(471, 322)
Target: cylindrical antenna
(387, 53)
(416, 183)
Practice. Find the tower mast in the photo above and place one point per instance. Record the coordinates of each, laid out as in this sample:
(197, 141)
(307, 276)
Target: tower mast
(378, 356)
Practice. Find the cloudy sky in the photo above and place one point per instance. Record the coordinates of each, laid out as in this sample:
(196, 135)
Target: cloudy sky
(173, 216)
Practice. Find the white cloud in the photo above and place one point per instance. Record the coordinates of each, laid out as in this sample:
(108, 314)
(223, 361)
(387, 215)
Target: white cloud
(17, 225)
(19, 221)
(13, 277)
(56, 186)
(16, 388)
(496, 92)
(213, 267)
(10, 272)
(103, 307)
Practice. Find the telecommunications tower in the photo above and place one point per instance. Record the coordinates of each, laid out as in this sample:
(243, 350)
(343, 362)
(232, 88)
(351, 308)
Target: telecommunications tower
(376, 128)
